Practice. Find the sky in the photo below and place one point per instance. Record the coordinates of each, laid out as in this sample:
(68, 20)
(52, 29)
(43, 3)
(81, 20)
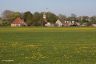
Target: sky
(66, 7)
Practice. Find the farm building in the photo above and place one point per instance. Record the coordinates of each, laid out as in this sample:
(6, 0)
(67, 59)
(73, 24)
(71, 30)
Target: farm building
(18, 22)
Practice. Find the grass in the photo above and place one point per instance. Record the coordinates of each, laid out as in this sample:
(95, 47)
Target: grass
(48, 45)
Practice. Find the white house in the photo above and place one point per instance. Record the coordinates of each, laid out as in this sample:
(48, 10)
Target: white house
(48, 24)
(59, 23)
(94, 25)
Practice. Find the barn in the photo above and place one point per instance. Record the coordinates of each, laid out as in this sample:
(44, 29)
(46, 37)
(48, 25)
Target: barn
(18, 22)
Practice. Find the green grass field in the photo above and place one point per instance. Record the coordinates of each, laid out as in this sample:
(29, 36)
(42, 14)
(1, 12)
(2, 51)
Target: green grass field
(47, 45)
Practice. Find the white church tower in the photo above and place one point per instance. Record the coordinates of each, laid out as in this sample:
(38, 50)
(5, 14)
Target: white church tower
(44, 17)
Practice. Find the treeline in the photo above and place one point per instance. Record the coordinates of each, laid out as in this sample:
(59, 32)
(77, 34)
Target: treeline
(32, 19)
(36, 18)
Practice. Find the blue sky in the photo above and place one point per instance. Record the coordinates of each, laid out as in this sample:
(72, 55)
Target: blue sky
(79, 7)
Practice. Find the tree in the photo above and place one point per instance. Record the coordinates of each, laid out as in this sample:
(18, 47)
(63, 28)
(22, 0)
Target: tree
(1, 22)
(84, 19)
(62, 17)
(51, 17)
(10, 15)
(6, 13)
(4, 22)
(28, 17)
(73, 17)
(37, 19)
(93, 19)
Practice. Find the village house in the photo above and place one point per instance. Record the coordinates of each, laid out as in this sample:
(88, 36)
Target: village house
(94, 25)
(48, 24)
(66, 23)
(59, 23)
(18, 22)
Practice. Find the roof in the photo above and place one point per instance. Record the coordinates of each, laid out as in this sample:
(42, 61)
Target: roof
(18, 21)
(58, 21)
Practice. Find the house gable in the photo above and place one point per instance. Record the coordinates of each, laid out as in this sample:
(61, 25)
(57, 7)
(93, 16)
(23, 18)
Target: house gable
(18, 22)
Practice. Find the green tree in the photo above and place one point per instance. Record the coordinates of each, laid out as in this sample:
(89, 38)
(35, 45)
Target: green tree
(93, 19)
(28, 17)
(1, 22)
(4, 22)
(51, 17)
(73, 17)
(62, 17)
(10, 15)
(84, 19)
(37, 19)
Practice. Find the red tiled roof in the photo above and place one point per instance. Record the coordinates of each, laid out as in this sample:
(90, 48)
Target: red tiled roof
(18, 21)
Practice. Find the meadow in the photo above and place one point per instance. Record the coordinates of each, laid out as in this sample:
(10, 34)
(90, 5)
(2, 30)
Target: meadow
(31, 45)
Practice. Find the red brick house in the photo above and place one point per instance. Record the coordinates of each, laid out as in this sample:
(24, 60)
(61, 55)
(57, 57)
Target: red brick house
(18, 22)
